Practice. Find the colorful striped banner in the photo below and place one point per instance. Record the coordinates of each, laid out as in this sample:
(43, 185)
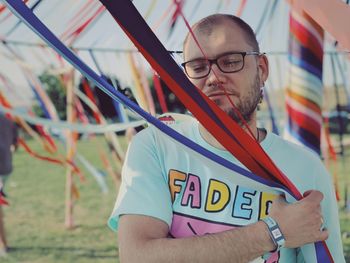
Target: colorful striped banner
(304, 94)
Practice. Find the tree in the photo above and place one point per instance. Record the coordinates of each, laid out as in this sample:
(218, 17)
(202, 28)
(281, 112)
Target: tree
(56, 92)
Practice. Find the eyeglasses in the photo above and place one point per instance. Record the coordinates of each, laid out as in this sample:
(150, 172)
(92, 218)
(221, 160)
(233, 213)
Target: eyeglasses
(227, 63)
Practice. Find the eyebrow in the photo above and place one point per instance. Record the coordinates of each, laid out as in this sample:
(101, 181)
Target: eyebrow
(219, 55)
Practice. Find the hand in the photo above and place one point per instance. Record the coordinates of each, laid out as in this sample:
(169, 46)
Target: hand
(300, 222)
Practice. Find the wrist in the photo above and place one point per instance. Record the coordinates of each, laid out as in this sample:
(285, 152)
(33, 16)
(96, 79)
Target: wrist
(268, 244)
(275, 233)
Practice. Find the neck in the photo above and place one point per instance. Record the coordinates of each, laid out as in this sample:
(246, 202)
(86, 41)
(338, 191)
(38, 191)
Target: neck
(258, 134)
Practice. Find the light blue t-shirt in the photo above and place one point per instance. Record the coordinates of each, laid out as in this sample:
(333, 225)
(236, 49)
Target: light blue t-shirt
(195, 196)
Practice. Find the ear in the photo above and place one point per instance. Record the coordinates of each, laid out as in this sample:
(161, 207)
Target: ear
(263, 66)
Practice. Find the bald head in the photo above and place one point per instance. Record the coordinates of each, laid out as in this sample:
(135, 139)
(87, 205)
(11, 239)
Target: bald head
(207, 25)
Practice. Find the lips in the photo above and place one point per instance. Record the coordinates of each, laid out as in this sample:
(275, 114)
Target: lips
(217, 94)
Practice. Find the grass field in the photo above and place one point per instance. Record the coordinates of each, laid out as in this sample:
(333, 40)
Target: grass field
(35, 219)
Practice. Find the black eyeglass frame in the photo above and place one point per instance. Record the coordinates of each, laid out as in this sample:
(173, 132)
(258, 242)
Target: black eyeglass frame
(215, 61)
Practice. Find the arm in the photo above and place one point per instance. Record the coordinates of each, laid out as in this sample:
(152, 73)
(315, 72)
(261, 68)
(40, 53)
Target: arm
(143, 238)
(146, 238)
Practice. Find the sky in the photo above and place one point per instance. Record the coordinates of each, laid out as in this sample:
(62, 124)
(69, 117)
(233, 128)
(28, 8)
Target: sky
(106, 34)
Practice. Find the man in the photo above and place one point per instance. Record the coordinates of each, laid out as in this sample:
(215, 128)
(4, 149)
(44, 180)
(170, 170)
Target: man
(8, 142)
(175, 206)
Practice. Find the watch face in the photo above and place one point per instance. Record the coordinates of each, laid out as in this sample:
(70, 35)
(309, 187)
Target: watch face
(276, 233)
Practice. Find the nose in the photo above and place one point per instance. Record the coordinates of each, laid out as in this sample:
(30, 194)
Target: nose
(216, 76)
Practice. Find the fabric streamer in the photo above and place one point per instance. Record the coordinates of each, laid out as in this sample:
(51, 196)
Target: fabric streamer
(50, 146)
(344, 76)
(74, 32)
(75, 35)
(81, 128)
(110, 137)
(35, 5)
(117, 106)
(44, 100)
(160, 93)
(96, 173)
(241, 7)
(80, 111)
(6, 106)
(58, 160)
(178, 4)
(77, 17)
(150, 8)
(49, 159)
(88, 166)
(330, 154)
(48, 143)
(90, 95)
(9, 87)
(219, 4)
(304, 95)
(140, 92)
(206, 111)
(146, 89)
(161, 19)
(340, 121)
(266, 18)
(3, 200)
(194, 10)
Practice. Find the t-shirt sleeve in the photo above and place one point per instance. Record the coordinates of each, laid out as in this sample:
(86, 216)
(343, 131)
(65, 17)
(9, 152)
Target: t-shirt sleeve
(144, 190)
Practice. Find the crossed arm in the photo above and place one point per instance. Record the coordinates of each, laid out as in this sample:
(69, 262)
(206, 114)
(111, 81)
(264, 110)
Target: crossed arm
(143, 238)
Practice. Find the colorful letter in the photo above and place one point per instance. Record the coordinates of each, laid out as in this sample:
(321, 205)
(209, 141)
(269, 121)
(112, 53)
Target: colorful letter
(192, 191)
(175, 188)
(242, 206)
(265, 202)
(218, 196)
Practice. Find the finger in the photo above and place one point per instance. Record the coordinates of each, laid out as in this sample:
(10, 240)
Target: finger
(322, 227)
(314, 196)
(323, 235)
(305, 194)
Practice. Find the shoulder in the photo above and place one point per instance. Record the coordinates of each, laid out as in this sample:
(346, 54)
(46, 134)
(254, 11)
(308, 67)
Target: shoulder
(300, 164)
(290, 149)
(178, 123)
(155, 139)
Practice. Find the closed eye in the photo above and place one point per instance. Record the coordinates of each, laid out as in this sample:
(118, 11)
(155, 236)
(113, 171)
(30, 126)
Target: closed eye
(199, 68)
(231, 62)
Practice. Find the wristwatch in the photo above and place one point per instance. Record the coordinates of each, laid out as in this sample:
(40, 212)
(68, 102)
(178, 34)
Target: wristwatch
(275, 232)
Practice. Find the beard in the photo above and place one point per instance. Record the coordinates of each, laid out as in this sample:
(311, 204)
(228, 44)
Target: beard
(245, 106)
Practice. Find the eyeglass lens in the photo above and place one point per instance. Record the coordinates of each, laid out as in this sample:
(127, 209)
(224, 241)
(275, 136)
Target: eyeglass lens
(227, 63)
